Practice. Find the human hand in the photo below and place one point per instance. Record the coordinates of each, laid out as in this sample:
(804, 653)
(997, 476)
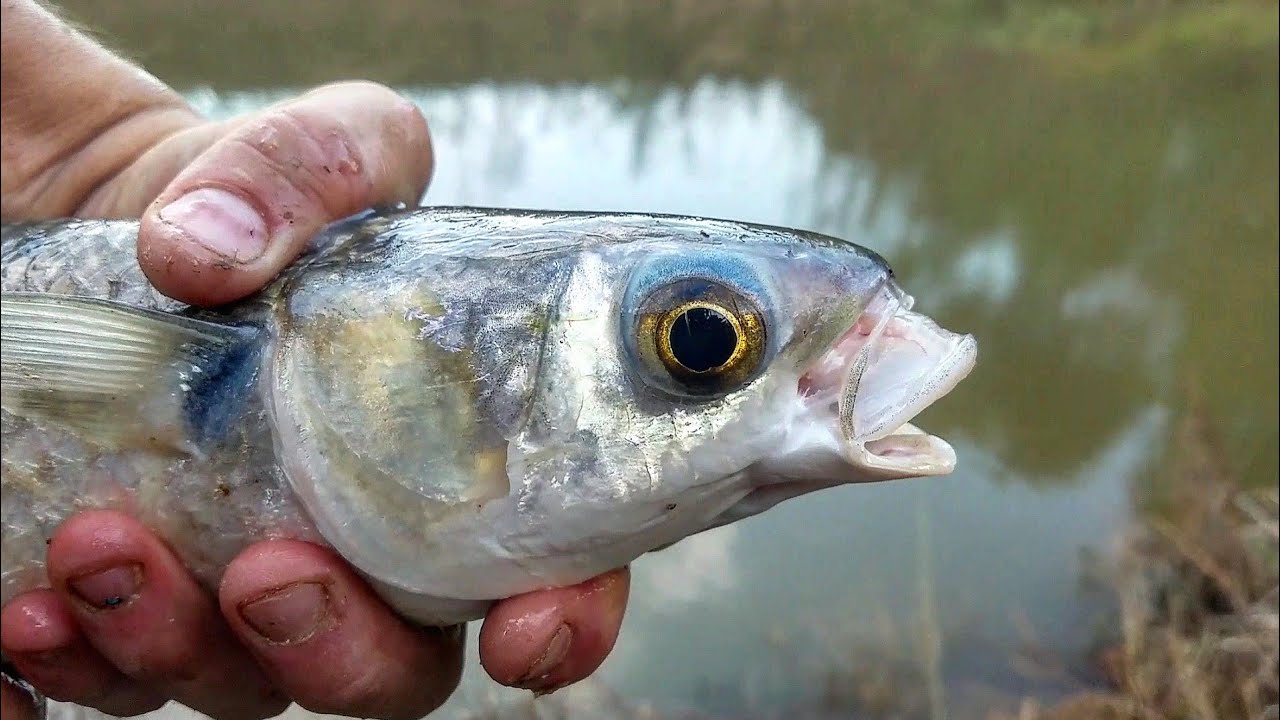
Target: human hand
(291, 622)
(223, 207)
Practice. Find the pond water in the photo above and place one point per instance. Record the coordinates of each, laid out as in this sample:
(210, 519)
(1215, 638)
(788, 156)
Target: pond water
(1109, 236)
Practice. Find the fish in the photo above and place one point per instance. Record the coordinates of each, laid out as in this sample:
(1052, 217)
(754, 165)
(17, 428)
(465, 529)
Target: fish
(465, 403)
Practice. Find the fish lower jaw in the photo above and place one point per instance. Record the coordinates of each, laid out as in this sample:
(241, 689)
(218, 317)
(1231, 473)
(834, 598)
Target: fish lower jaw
(907, 451)
(817, 455)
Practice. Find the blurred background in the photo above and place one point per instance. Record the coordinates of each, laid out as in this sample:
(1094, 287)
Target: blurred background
(1089, 187)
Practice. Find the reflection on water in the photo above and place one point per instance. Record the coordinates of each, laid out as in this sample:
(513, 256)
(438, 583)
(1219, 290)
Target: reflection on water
(1109, 237)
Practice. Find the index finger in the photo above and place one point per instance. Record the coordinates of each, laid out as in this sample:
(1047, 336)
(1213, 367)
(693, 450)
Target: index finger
(247, 206)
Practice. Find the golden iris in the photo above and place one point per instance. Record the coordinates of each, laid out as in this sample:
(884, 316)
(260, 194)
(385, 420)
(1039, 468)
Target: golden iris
(704, 335)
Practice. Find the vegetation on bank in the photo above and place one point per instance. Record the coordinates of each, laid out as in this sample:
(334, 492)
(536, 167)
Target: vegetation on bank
(1199, 598)
(296, 42)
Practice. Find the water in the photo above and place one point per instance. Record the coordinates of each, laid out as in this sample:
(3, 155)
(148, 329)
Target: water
(1110, 236)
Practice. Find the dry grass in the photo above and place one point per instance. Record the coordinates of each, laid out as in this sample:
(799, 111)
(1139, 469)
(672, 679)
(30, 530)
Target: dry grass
(1199, 600)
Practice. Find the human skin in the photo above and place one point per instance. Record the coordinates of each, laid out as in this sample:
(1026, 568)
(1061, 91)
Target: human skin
(223, 207)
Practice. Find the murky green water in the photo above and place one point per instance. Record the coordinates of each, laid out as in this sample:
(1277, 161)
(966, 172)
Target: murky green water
(1106, 224)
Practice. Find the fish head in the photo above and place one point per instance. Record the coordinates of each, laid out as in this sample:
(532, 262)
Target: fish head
(535, 399)
(694, 379)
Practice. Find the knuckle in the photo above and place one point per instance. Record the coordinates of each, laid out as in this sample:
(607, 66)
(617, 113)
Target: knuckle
(317, 160)
(328, 166)
(357, 141)
(399, 121)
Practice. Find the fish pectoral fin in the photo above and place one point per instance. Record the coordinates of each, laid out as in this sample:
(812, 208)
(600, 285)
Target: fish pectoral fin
(117, 375)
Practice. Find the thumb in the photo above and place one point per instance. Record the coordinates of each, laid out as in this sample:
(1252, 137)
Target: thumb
(247, 206)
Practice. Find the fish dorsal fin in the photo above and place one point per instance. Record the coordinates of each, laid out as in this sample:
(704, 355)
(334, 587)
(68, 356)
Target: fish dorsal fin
(116, 375)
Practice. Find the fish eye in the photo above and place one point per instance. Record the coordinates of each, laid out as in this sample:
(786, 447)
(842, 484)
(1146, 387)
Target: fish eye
(705, 336)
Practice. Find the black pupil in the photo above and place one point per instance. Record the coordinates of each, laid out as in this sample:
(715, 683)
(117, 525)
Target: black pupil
(702, 339)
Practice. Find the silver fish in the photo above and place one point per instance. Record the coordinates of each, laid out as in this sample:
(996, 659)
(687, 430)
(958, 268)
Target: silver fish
(466, 404)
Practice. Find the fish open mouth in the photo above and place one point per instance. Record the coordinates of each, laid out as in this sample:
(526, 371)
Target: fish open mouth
(850, 420)
(877, 376)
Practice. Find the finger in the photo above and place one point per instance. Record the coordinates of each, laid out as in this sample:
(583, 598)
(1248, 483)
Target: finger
(246, 207)
(146, 615)
(545, 640)
(326, 638)
(42, 640)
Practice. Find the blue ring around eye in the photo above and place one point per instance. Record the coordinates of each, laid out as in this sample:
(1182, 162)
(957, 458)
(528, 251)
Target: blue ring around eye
(729, 270)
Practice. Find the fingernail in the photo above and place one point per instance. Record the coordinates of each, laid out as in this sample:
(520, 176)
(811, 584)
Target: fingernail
(291, 614)
(221, 221)
(108, 589)
(538, 676)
